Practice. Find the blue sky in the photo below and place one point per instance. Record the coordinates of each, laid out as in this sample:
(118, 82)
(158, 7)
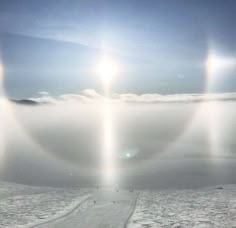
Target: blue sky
(160, 46)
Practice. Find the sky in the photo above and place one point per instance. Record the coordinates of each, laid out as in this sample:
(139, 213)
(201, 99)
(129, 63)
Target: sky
(159, 46)
(169, 119)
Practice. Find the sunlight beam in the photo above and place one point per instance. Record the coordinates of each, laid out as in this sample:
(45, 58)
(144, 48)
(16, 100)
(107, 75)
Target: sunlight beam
(107, 69)
(217, 66)
(214, 117)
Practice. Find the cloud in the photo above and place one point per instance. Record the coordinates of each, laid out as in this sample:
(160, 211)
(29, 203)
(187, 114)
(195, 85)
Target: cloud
(73, 97)
(90, 95)
(43, 93)
(45, 100)
(157, 98)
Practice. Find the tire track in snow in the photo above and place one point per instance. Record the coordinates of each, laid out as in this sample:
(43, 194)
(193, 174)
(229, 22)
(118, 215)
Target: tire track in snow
(110, 209)
(63, 215)
(132, 212)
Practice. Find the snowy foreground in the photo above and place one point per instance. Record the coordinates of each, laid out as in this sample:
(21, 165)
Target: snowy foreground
(207, 207)
(24, 206)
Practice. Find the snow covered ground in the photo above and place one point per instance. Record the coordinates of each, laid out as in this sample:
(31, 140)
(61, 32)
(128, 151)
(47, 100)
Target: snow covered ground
(110, 210)
(23, 206)
(202, 208)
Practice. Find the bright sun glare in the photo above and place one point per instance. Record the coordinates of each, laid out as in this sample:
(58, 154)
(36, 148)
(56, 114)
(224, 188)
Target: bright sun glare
(107, 70)
(215, 63)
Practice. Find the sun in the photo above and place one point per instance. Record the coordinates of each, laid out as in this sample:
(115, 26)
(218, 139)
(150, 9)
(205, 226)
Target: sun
(107, 70)
(215, 64)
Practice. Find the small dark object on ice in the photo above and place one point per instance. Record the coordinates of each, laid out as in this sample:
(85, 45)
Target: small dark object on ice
(94, 202)
(219, 188)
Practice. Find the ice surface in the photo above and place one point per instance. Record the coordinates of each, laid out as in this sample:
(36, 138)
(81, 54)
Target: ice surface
(23, 206)
(202, 208)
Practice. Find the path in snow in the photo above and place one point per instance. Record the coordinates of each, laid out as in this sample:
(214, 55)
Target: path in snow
(105, 209)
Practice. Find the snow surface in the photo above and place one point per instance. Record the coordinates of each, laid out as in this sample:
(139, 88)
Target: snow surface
(24, 206)
(106, 209)
(202, 208)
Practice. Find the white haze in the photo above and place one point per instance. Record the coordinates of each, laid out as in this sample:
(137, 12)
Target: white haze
(158, 144)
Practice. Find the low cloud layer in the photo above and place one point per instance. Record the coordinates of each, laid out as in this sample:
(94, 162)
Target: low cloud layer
(90, 95)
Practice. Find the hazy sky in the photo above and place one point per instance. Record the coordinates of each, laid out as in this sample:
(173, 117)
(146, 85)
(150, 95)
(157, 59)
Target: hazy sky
(49, 50)
(160, 46)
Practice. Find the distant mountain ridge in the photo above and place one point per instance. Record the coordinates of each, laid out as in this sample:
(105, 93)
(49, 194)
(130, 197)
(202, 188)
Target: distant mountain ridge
(129, 98)
(24, 102)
